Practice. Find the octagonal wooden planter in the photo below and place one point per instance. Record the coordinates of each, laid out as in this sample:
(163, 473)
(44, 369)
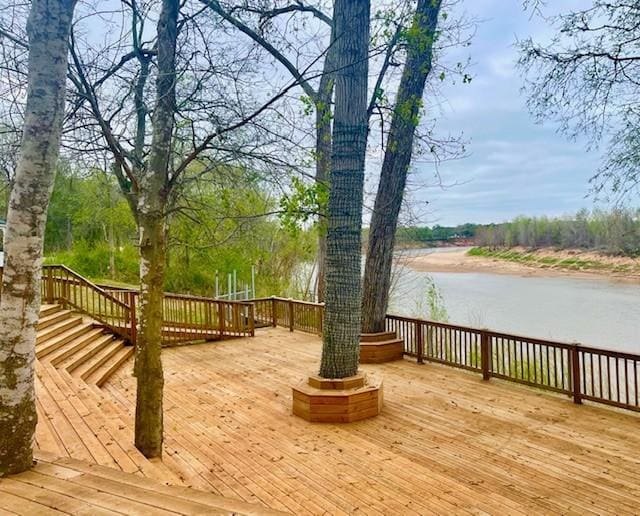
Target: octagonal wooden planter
(342, 400)
(377, 348)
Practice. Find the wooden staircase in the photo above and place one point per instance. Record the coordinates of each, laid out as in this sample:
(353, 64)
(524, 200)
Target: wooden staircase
(79, 345)
(87, 462)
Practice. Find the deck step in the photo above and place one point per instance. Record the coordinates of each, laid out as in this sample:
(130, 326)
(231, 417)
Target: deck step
(52, 319)
(75, 345)
(49, 346)
(381, 351)
(106, 353)
(378, 337)
(46, 310)
(85, 353)
(58, 328)
(105, 371)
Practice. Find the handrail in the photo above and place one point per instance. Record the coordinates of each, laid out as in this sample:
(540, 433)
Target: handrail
(582, 372)
(185, 317)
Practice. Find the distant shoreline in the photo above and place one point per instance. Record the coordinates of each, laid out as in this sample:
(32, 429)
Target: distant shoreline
(523, 262)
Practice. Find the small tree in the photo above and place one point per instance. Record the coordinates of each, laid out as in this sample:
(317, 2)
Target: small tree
(48, 32)
(341, 337)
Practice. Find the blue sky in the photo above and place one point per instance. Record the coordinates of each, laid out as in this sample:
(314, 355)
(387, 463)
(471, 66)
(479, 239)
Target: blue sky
(514, 166)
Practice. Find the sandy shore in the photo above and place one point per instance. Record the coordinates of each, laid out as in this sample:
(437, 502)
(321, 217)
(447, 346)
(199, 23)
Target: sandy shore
(457, 260)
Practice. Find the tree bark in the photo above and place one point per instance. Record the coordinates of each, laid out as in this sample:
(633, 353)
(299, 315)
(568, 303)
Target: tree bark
(395, 167)
(341, 337)
(323, 169)
(152, 198)
(48, 32)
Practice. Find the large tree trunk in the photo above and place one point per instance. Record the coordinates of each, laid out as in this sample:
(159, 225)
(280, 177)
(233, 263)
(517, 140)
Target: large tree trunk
(397, 158)
(48, 31)
(341, 337)
(151, 209)
(323, 153)
(323, 169)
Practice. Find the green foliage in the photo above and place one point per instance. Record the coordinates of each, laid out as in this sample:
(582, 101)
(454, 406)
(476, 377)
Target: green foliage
(92, 261)
(433, 304)
(305, 202)
(219, 224)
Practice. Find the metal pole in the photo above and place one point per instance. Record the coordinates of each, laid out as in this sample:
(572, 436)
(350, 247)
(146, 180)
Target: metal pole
(229, 287)
(217, 286)
(253, 281)
(235, 285)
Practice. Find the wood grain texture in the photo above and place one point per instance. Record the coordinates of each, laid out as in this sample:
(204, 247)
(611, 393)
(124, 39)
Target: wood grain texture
(445, 441)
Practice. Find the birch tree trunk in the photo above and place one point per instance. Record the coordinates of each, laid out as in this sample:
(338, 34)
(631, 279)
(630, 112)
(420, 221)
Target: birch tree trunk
(341, 337)
(48, 31)
(395, 167)
(152, 198)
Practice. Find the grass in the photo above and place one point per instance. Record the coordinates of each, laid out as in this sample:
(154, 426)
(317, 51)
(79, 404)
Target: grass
(545, 262)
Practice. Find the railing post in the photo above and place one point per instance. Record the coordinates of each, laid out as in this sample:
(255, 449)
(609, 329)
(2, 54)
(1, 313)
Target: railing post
(419, 342)
(485, 355)
(49, 285)
(252, 322)
(221, 316)
(274, 312)
(133, 317)
(290, 315)
(575, 374)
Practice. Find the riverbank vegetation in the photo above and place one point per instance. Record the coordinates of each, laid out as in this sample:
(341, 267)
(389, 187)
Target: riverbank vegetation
(615, 232)
(570, 260)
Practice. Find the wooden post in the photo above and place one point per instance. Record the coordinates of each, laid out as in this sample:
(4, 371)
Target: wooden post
(252, 322)
(290, 315)
(485, 355)
(274, 312)
(133, 318)
(419, 342)
(50, 285)
(574, 356)
(221, 317)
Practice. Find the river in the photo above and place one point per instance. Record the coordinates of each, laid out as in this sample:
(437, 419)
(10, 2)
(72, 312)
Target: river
(597, 312)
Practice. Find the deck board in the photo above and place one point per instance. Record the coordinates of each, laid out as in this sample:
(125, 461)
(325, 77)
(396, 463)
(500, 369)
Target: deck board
(446, 442)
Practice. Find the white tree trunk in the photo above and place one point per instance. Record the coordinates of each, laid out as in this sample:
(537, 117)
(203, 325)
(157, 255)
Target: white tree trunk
(48, 30)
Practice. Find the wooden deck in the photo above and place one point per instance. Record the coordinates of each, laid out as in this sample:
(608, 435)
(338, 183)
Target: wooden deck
(446, 441)
(57, 486)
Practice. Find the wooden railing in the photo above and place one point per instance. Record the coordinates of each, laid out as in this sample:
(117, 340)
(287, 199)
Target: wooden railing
(189, 318)
(584, 373)
(186, 318)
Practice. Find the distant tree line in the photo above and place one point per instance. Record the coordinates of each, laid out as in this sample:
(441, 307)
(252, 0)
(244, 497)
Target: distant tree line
(426, 234)
(612, 232)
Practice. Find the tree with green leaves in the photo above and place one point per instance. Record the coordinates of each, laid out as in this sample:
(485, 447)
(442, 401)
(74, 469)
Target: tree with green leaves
(420, 39)
(342, 316)
(48, 33)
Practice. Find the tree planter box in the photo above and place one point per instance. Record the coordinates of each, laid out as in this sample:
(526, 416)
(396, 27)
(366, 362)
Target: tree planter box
(376, 348)
(342, 400)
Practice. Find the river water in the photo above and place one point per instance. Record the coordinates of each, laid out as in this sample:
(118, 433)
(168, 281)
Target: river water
(597, 312)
